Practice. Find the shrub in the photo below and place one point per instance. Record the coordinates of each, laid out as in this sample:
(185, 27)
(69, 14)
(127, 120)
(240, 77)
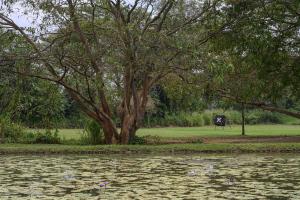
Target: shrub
(93, 133)
(47, 137)
(194, 119)
(12, 132)
(183, 120)
(261, 117)
(233, 116)
(170, 120)
(152, 139)
(197, 119)
(207, 119)
(147, 139)
(28, 138)
(189, 120)
(137, 140)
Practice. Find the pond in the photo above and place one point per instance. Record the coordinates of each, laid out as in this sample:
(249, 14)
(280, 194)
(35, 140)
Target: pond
(151, 177)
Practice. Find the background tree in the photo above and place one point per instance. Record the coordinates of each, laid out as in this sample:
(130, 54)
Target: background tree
(26, 100)
(256, 61)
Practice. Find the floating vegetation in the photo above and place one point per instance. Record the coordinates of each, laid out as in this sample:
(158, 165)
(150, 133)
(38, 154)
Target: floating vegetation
(173, 177)
(103, 184)
(192, 173)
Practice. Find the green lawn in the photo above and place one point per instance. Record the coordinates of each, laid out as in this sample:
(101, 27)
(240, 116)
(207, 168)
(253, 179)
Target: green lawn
(206, 131)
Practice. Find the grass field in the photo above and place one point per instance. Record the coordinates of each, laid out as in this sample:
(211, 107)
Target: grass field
(206, 131)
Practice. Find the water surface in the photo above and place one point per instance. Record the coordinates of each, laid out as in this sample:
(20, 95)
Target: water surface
(150, 177)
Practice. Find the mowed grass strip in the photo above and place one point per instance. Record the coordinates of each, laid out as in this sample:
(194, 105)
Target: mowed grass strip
(205, 131)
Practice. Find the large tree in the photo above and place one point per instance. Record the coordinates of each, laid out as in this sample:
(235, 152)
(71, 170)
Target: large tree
(109, 54)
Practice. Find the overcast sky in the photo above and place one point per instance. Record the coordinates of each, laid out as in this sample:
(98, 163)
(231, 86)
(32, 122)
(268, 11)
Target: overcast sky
(26, 20)
(17, 15)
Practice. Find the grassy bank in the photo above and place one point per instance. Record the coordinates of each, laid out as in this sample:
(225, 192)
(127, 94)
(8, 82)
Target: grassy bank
(146, 149)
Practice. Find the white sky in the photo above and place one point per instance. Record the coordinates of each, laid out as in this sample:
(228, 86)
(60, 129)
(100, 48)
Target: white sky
(18, 16)
(26, 20)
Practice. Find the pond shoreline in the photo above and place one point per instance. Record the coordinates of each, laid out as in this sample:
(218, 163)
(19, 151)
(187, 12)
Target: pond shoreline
(20, 149)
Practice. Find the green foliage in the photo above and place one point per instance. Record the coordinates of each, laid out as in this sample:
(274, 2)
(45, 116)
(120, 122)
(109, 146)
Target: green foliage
(45, 137)
(206, 118)
(41, 103)
(12, 132)
(255, 53)
(48, 137)
(28, 138)
(137, 140)
(93, 134)
(181, 119)
(260, 117)
(146, 139)
(15, 133)
(73, 117)
(252, 116)
(174, 95)
(290, 120)
(152, 139)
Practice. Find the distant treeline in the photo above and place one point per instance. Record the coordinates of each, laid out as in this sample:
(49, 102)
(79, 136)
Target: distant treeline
(190, 119)
(35, 103)
(205, 118)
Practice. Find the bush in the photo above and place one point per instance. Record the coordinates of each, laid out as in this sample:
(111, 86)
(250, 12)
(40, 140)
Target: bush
(234, 117)
(207, 119)
(29, 138)
(48, 137)
(93, 133)
(183, 120)
(152, 139)
(261, 117)
(137, 140)
(194, 119)
(12, 132)
(197, 119)
(147, 139)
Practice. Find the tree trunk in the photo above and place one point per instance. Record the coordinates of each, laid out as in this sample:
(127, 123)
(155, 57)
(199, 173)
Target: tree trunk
(127, 133)
(243, 119)
(110, 132)
(128, 129)
(2, 134)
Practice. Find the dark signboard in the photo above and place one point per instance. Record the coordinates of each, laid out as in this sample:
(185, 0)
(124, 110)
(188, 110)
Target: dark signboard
(220, 120)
